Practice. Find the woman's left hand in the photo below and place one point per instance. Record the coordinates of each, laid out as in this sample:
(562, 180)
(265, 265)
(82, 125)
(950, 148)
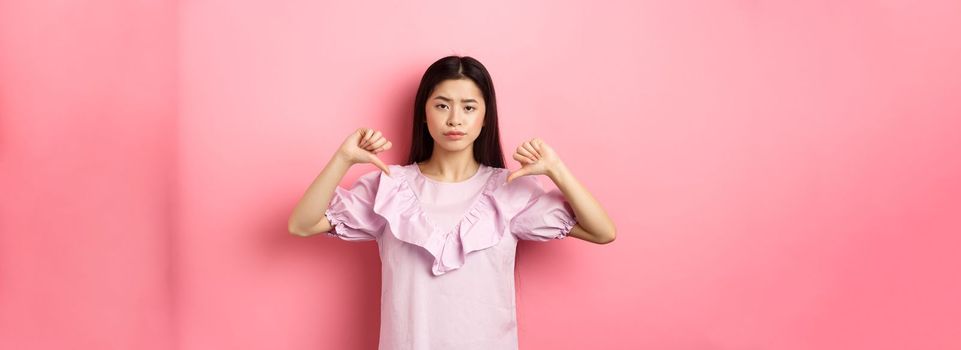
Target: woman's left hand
(536, 158)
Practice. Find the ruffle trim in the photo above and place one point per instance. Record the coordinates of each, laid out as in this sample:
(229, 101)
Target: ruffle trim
(337, 222)
(483, 226)
(340, 217)
(568, 225)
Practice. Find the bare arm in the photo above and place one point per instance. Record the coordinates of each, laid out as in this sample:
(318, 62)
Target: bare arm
(593, 223)
(308, 217)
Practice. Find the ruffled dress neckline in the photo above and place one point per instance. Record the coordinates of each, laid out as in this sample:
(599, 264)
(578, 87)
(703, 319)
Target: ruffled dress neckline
(481, 227)
(480, 170)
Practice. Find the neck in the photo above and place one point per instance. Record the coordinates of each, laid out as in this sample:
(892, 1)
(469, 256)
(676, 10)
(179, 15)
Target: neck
(445, 165)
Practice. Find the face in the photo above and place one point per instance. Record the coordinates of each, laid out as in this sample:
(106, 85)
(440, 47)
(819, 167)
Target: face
(455, 106)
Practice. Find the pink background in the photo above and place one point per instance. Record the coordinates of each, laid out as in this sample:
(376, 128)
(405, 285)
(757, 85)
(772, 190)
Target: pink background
(783, 175)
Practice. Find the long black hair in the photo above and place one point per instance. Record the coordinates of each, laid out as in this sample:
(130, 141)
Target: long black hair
(487, 146)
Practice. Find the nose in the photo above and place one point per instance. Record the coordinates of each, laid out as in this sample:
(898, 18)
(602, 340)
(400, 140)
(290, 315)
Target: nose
(454, 120)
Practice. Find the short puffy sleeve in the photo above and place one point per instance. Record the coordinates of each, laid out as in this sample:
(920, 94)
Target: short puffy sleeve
(351, 212)
(547, 214)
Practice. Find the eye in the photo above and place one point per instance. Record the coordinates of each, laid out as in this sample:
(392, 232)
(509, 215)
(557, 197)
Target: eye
(440, 105)
(470, 108)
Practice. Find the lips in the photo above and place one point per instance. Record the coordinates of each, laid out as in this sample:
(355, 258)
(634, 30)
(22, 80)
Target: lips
(454, 135)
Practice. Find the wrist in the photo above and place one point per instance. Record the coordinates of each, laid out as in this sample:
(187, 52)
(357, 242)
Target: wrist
(341, 158)
(557, 171)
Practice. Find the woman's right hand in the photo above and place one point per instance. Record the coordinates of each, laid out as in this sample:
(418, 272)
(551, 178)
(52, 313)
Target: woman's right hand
(363, 145)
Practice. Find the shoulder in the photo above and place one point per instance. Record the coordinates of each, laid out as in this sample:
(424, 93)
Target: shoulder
(519, 191)
(395, 170)
(523, 185)
(380, 182)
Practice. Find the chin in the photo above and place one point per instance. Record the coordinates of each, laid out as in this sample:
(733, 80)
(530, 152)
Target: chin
(455, 146)
(450, 148)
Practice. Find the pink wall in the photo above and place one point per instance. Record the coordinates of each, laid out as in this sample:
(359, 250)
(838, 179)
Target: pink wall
(87, 136)
(783, 176)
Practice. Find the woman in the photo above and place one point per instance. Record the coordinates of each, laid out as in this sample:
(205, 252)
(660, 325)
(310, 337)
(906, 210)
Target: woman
(447, 223)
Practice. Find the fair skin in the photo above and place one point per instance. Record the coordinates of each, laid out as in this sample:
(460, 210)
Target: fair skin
(454, 105)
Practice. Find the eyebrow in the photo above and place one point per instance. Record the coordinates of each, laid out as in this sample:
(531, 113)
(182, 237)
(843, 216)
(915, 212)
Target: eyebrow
(466, 100)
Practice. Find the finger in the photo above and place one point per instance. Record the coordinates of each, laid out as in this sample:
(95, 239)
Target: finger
(524, 152)
(522, 159)
(363, 134)
(375, 144)
(366, 139)
(530, 148)
(378, 163)
(516, 174)
(385, 147)
(370, 142)
(374, 137)
(537, 143)
(525, 160)
(367, 135)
